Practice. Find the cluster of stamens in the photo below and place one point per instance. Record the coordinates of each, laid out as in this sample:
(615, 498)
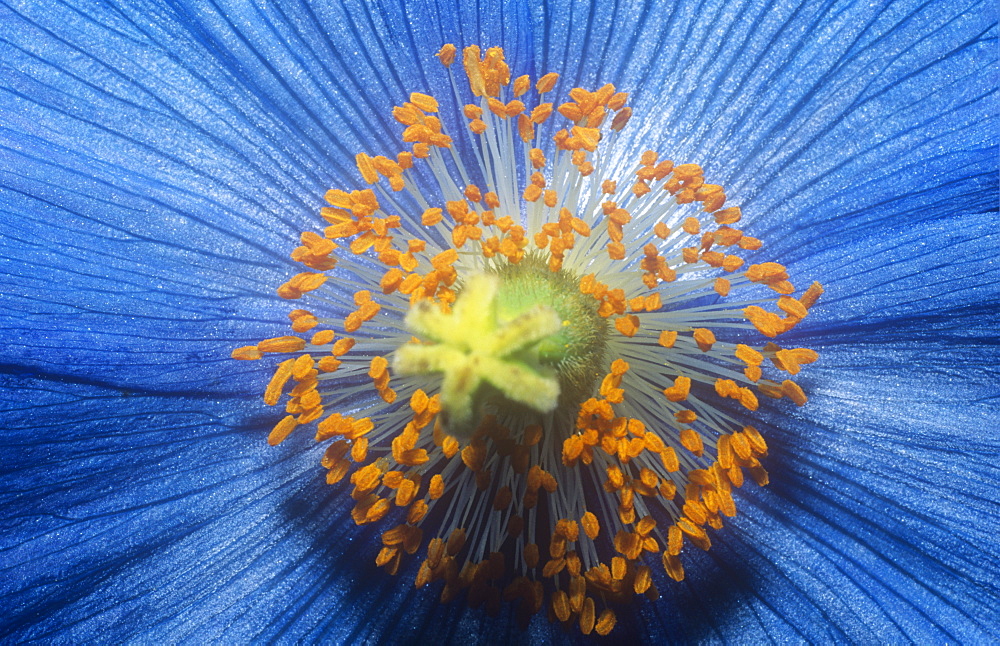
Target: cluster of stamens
(538, 450)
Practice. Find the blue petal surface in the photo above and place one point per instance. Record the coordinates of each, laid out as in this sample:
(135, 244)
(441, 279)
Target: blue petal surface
(158, 160)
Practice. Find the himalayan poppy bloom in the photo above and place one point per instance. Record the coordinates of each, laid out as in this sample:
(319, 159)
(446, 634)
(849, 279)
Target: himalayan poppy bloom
(162, 162)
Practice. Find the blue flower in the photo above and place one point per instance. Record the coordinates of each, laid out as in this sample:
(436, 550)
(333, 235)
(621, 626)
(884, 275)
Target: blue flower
(159, 160)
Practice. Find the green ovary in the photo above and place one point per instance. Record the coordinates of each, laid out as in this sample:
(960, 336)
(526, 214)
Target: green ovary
(519, 337)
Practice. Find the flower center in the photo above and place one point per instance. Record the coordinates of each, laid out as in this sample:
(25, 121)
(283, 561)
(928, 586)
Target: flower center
(520, 336)
(541, 374)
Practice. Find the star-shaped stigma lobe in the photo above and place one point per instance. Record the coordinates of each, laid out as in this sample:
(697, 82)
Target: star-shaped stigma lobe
(472, 344)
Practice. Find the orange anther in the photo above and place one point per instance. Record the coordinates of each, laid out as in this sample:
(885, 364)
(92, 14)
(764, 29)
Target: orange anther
(680, 390)
(353, 322)
(654, 443)
(246, 353)
(537, 158)
(525, 128)
(748, 355)
(444, 259)
(521, 85)
(387, 167)
(589, 137)
(713, 258)
(606, 622)
(686, 172)
(281, 430)
(546, 83)
(712, 197)
(406, 115)
(621, 119)
(391, 280)
(472, 193)
(447, 54)
(531, 193)
(572, 448)
(477, 126)
(342, 347)
(378, 367)
(731, 263)
(436, 488)
(661, 230)
(541, 113)
(474, 456)
(572, 112)
(282, 344)
(425, 102)
(302, 366)
(768, 272)
(791, 359)
(568, 529)
(704, 338)
(617, 101)
(366, 168)
(685, 416)
(812, 295)
(359, 427)
(590, 525)
(792, 307)
(497, 107)
(726, 388)
(627, 325)
(472, 62)
(431, 217)
(668, 456)
(667, 338)
(619, 367)
(328, 364)
(794, 392)
(729, 215)
(404, 160)
(418, 510)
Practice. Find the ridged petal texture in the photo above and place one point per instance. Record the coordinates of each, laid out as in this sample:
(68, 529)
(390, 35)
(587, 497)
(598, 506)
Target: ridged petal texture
(158, 160)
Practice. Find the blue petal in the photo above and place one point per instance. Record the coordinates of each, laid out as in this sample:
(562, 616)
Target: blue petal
(158, 162)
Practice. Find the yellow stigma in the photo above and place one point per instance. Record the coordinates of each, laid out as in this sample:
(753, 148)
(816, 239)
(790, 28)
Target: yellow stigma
(541, 367)
(473, 346)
